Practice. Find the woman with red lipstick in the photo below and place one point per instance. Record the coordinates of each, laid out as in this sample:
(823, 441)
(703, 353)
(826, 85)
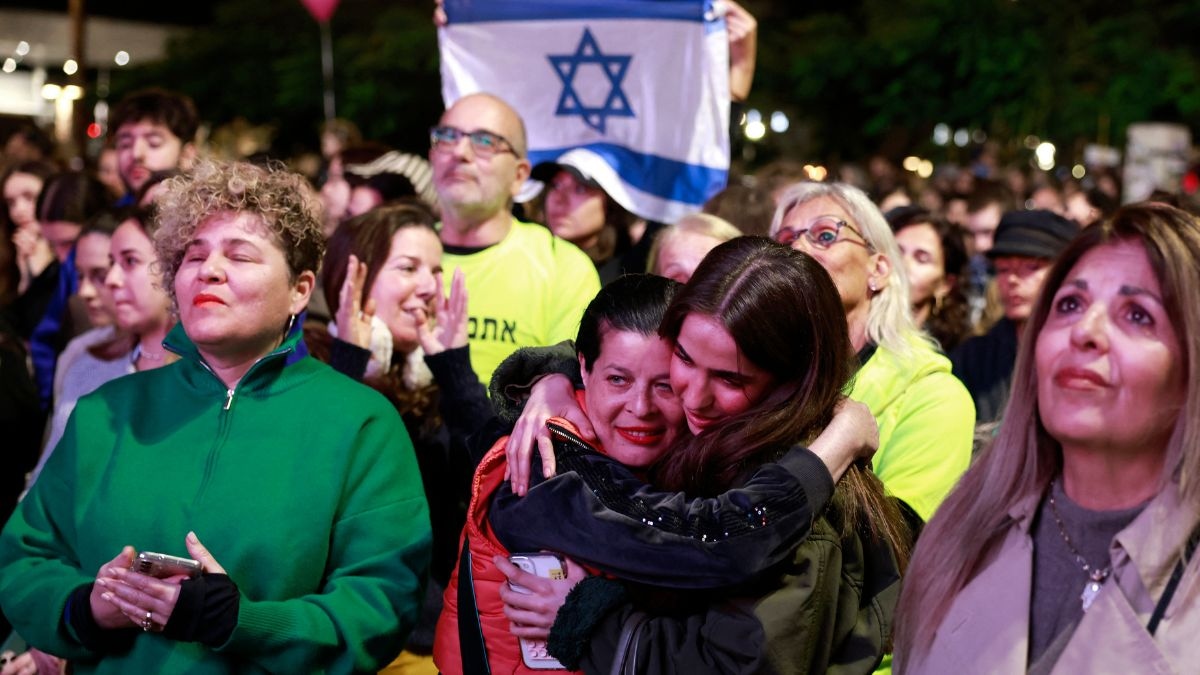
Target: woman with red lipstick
(302, 483)
(1069, 546)
(628, 399)
(760, 358)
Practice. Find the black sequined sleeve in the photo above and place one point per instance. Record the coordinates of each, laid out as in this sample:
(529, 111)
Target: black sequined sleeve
(597, 512)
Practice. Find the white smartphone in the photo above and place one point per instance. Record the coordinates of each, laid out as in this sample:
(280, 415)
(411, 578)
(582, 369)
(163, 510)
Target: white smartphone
(550, 566)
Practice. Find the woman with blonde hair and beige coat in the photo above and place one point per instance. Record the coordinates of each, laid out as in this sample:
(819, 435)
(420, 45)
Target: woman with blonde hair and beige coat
(1068, 546)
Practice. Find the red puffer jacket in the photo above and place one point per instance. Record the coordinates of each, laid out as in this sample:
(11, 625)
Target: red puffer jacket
(503, 648)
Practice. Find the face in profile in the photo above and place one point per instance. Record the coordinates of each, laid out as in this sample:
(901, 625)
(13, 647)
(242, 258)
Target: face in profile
(1081, 210)
(574, 210)
(362, 199)
(711, 377)
(629, 397)
(1109, 362)
(680, 254)
(108, 171)
(91, 268)
(405, 288)
(233, 287)
(139, 302)
(335, 196)
(924, 262)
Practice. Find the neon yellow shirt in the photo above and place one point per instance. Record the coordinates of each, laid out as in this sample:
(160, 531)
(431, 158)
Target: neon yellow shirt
(528, 290)
(926, 424)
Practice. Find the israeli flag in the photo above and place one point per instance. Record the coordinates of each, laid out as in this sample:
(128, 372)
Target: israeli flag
(644, 84)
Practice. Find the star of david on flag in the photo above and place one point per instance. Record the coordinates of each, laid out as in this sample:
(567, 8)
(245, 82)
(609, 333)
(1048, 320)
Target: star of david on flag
(569, 103)
(643, 85)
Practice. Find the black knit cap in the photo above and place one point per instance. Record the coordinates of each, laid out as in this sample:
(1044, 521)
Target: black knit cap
(1036, 234)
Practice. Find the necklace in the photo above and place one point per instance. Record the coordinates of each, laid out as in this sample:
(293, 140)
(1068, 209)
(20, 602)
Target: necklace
(1096, 576)
(139, 353)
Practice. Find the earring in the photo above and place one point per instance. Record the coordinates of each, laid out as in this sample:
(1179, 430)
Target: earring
(871, 286)
(291, 322)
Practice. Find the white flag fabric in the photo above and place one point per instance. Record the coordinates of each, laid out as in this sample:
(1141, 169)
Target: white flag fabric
(644, 84)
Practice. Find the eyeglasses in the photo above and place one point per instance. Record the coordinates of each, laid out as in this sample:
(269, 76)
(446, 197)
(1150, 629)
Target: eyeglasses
(823, 233)
(483, 143)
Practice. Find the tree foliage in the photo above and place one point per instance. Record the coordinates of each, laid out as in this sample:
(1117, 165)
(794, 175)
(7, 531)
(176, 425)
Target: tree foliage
(859, 77)
(261, 61)
(880, 74)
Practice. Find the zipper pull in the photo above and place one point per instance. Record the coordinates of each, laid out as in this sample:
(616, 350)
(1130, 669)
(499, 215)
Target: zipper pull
(228, 399)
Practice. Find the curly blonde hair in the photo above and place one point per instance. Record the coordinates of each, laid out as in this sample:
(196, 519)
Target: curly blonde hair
(283, 202)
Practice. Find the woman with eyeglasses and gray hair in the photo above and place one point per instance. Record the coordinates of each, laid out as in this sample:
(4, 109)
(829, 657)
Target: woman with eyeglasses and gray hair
(301, 483)
(925, 415)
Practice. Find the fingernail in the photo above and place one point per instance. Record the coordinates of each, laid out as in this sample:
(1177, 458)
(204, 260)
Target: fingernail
(192, 538)
(107, 596)
(102, 582)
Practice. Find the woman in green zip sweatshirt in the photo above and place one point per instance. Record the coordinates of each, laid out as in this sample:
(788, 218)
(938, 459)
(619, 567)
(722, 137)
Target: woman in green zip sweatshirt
(301, 483)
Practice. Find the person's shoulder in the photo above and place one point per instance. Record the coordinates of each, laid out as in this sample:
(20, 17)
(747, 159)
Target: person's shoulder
(88, 338)
(76, 348)
(980, 351)
(343, 390)
(534, 237)
(124, 392)
(919, 359)
(921, 373)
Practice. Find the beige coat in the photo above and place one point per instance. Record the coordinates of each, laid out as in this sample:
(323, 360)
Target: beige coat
(987, 627)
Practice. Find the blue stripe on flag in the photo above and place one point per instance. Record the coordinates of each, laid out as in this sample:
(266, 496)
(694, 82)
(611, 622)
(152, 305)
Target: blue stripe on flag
(659, 176)
(475, 11)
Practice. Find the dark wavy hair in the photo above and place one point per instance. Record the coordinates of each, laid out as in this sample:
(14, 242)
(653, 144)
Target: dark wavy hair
(949, 320)
(171, 109)
(782, 309)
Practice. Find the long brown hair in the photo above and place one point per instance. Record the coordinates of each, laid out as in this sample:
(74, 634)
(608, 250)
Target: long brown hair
(368, 237)
(1024, 458)
(784, 312)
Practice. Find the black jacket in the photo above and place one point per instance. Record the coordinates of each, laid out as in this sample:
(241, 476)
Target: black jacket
(985, 365)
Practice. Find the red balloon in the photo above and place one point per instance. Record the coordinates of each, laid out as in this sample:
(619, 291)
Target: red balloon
(321, 10)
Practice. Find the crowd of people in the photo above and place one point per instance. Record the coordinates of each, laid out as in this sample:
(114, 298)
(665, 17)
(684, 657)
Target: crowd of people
(817, 426)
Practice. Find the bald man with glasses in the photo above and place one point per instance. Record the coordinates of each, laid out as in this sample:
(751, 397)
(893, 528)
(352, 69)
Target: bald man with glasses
(526, 286)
